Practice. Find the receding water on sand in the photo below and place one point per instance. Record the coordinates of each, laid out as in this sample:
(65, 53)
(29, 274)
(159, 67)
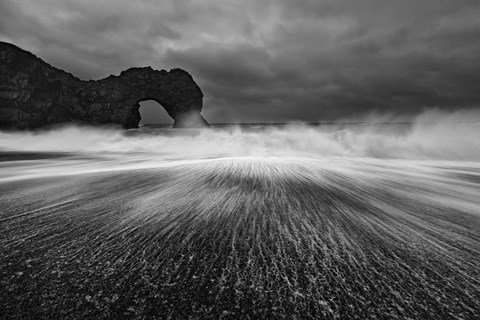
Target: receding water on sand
(349, 222)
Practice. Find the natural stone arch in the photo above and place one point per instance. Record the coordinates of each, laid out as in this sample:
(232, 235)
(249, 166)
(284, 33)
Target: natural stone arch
(35, 94)
(175, 91)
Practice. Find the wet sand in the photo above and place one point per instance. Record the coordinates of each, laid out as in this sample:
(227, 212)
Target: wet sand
(239, 238)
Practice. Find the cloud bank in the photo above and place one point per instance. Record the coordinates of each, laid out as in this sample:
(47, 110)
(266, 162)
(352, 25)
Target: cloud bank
(304, 60)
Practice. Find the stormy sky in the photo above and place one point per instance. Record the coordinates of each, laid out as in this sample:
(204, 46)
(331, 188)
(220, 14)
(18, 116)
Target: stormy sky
(286, 60)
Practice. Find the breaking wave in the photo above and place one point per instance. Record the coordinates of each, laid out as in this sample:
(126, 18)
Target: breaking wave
(432, 135)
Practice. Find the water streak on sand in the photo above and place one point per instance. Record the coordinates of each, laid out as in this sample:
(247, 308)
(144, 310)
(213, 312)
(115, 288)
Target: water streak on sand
(349, 223)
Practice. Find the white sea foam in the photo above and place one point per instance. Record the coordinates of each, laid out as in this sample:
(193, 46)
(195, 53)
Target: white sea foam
(433, 135)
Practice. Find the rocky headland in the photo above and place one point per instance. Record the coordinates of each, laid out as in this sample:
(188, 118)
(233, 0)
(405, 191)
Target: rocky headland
(34, 94)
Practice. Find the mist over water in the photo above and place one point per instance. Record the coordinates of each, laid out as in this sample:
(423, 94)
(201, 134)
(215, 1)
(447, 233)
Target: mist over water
(433, 135)
(336, 221)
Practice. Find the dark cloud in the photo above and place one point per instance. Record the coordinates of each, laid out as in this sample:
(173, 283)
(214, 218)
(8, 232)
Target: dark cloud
(306, 60)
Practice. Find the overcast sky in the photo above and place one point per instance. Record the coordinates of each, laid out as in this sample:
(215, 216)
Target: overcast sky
(288, 60)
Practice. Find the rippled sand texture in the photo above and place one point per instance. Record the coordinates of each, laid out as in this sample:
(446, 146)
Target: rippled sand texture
(240, 238)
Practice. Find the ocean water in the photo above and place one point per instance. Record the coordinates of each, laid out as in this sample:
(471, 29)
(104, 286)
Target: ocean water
(363, 220)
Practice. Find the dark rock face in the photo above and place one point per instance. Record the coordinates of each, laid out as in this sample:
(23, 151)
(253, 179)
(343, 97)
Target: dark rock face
(35, 94)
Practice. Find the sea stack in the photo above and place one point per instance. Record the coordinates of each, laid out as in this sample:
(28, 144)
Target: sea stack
(34, 94)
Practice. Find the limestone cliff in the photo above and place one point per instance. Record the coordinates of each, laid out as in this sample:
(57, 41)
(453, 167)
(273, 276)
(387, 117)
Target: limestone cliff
(34, 94)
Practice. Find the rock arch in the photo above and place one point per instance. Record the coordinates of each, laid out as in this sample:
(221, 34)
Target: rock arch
(35, 94)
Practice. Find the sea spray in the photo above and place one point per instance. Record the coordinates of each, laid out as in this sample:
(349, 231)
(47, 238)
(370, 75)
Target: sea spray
(433, 135)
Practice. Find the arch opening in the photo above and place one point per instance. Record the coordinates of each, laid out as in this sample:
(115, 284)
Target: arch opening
(151, 112)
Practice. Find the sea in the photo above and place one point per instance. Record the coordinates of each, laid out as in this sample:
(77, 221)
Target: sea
(346, 220)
